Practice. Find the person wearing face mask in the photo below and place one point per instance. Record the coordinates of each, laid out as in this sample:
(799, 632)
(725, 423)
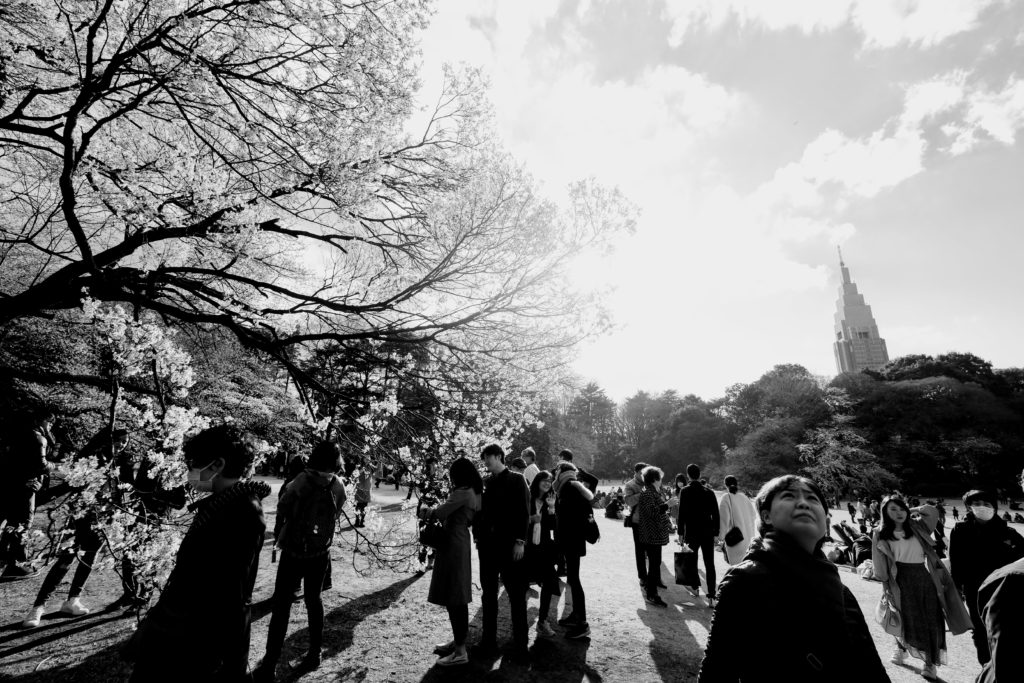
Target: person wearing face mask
(979, 545)
(783, 613)
(917, 585)
(199, 629)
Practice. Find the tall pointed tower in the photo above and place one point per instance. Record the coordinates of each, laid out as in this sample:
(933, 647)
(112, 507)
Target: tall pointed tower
(858, 345)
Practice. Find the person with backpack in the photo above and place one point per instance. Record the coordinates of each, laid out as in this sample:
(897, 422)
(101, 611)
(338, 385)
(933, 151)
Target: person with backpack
(307, 515)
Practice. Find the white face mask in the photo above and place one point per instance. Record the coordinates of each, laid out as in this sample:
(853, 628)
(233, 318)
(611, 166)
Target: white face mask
(195, 479)
(983, 512)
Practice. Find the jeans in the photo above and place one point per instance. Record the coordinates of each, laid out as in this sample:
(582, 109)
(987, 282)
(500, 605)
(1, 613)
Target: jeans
(572, 577)
(706, 546)
(496, 562)
(312, 571)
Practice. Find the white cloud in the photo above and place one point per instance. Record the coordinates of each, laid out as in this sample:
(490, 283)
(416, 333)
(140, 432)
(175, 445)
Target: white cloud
(883, 23)
(998, 115)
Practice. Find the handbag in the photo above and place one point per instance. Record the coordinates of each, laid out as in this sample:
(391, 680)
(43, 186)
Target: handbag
(888, 616)
(432, 534)
(686, 568)
(733, 535)
(592, 533)
(628, 521)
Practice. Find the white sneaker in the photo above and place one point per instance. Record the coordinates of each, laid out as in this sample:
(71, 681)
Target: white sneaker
(928, 673)
(899, 656)
(544, 629)
(74, 607)
(35, 615)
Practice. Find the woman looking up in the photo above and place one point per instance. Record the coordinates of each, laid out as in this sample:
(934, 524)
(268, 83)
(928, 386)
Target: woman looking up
(783, 613)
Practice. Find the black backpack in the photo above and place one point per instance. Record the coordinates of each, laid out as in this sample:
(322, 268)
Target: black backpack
(311, 531)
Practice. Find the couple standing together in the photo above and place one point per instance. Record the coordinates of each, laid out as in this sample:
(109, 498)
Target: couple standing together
(503, 514)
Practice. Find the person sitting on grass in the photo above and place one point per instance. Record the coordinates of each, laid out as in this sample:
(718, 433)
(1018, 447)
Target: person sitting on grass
(306, 518)
(199, 629)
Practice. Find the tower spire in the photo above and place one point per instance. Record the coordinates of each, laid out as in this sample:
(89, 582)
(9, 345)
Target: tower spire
(840, 250)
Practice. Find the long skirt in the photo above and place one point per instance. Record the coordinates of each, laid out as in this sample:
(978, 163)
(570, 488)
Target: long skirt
(924, 628)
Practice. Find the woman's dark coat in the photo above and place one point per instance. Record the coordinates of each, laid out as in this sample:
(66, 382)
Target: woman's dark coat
(785, 615)
(572, 511)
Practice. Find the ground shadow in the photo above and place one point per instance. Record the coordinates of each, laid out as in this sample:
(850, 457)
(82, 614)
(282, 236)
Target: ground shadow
(339, 626)
(104, 664)
(550, 659)
(675, 651)
(56, 626)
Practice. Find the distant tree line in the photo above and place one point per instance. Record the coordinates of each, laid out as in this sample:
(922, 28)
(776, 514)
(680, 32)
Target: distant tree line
(924, 424)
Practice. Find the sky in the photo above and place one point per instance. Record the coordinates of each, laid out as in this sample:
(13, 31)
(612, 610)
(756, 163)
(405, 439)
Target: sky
(755, 137)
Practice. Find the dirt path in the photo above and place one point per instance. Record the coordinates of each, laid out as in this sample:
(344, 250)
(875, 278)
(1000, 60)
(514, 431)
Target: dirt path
(381, 629)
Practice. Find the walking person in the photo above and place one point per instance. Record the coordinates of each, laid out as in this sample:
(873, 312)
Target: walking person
(783, 612)
(87, 542)
(573, 513)
(540, 548)
(631, 497)
(24, 471)
(451, 582)
(916, 585)
(500, 531)
(202, 616)
(655, 529)
(362, 493)
(978, 546)
(736, 511)
(307, 514)
(698, 527)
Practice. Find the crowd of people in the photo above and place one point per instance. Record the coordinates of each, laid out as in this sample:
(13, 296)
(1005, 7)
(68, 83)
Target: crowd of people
(781, 611)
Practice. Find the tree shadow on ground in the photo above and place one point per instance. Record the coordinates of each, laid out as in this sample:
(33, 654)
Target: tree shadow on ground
(674, 649)
(56, 627)
(339, 626)
(103, 665)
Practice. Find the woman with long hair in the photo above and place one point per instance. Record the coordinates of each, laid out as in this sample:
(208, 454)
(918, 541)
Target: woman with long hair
(783, 613)
(916, 585)
(540, 547)
(735, 510)
(451, 582)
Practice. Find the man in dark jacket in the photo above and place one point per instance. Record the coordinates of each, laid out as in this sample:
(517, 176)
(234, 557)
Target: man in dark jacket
(199, 629)
(698, 526)
(500, 531)
(1001, 597)
(573, 515)
(979, 545)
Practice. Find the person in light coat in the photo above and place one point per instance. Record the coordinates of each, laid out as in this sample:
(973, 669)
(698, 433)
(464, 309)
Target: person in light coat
(736, 510)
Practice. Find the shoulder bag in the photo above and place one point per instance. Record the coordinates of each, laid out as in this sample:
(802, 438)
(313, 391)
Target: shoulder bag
(733, 535)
